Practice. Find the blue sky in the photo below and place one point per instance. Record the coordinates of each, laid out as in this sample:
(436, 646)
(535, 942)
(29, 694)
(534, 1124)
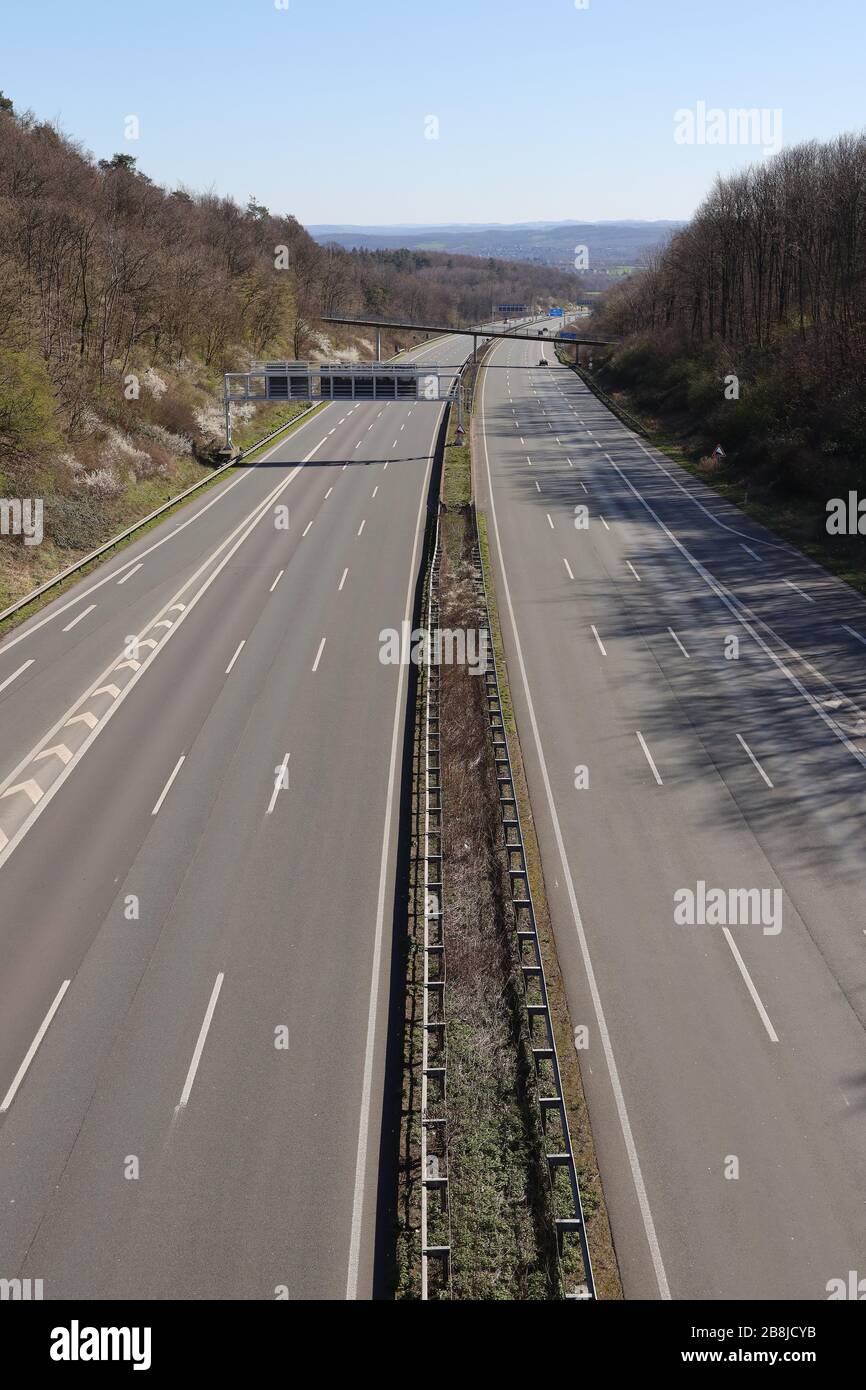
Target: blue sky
(544, 110)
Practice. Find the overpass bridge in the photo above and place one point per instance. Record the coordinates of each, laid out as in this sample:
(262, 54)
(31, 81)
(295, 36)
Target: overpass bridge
(472, 330)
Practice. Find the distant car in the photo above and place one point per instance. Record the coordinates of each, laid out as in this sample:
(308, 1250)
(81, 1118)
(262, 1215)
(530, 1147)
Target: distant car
(543, 362)
(541, 332)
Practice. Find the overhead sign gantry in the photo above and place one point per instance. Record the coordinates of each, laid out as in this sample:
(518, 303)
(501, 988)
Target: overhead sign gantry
(333, 381)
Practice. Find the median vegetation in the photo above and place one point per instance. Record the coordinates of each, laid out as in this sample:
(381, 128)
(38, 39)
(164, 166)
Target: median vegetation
(501, 1228)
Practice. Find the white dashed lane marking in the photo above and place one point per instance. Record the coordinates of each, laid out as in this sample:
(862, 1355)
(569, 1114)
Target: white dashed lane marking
(167, 788)
(15, 674)
(33, 1049)
(235, 657)
(83, 614)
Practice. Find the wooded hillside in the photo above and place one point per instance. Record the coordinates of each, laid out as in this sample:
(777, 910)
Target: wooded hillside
(121, 305)
(767, 285)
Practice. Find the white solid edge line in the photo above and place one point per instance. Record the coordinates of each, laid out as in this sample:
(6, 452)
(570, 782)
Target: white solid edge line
(167, 788)
(367, 1085)
(33, 1049)
(649, 757)
(772, 545)
(756, 998)
(278, 784)
(315, 450)
(319, 655)
(744, 745)
(235, 657)
(616, 1085)
(16, 674)
(202, 1038)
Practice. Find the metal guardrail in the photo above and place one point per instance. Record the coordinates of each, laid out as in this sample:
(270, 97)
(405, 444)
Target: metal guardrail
(551, 1101)
(434, 1136)
(145, 520)
(616, 409)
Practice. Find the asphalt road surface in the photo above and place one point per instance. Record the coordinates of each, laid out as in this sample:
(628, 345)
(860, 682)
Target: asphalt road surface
(197, 864)
(726, 1068)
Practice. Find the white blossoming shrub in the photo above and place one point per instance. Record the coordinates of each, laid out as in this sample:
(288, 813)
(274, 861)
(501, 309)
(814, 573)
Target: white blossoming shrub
(153, 382)
(211, 418)
(103, 482)
(173, 443)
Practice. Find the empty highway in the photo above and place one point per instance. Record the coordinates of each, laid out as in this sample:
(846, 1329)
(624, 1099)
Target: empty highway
(197, 862)
(708, 681)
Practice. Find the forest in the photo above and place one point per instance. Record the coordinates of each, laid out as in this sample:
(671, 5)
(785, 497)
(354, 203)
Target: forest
(749, 327)
(122, 303)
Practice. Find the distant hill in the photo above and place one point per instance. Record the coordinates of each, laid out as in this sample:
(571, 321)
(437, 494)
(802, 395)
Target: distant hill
(612, 245)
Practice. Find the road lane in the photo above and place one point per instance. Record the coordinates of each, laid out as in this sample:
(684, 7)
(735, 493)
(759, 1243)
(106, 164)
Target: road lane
(258, 1183)
(66, 647)
(688, 1075)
